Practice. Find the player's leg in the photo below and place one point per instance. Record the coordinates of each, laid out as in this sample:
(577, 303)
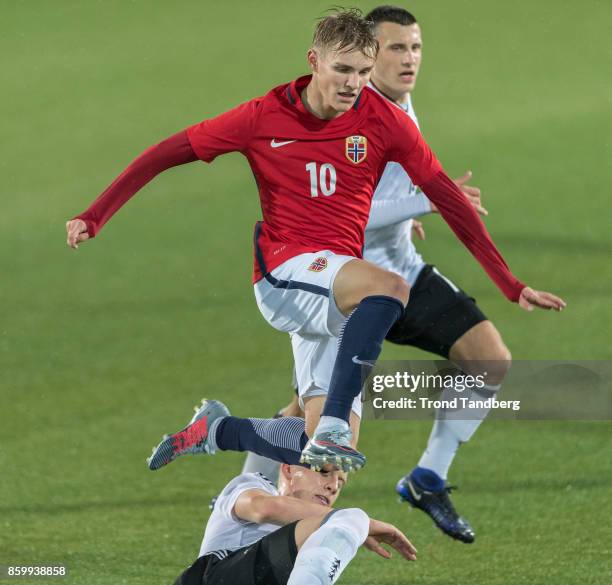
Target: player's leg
(482, 348)
(372, 299)
(326, 547)
(298, 297)
(293, 408)
(309, 552)
(254, 463)
(294, 297)
(478, 350)
(281, 439)
(442, 319)
(314, 359)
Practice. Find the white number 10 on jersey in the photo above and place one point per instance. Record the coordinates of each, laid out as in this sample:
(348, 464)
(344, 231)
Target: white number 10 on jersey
(324, 180)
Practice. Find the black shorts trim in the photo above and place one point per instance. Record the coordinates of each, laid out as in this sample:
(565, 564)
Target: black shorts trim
(296, 284)
(268, 561)
(437, 314)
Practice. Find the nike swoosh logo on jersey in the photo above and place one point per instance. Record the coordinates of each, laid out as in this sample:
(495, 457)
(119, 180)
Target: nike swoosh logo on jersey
(275, 144)
(356, 360)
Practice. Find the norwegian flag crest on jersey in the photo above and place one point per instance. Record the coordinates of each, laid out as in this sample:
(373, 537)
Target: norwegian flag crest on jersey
(356, 148)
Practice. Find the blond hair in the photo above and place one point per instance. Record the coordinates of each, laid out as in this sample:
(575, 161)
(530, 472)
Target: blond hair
(345, 30)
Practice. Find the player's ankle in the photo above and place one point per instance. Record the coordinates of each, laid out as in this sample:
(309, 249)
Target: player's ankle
(329, 423)
(427, 479)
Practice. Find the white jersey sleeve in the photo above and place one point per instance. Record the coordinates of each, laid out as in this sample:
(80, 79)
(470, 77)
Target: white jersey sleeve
(385, 212)
(225, 532)
(388, 236)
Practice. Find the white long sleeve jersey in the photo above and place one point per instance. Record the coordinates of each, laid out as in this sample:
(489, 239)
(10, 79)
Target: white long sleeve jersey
(388, 236)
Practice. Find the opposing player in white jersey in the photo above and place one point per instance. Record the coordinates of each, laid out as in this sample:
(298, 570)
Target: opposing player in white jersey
(260, 535)
(440, 317)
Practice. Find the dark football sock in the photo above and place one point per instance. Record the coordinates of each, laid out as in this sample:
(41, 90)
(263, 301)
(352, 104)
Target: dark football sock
(359, 347)
(281, 439)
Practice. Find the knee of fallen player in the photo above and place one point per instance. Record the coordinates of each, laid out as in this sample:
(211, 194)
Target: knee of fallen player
(357, 521)
(331, 547)
(343, 531)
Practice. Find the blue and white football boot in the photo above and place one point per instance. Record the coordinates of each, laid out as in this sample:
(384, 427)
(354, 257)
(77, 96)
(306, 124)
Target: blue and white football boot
(438, 506)
(332, 448)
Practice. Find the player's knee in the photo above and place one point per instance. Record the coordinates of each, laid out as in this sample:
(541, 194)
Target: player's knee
(499, 361)
(350, 521)
(393, 285)
(480, 350)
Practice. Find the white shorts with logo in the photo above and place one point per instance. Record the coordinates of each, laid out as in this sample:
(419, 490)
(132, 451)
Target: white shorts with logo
(297, 298)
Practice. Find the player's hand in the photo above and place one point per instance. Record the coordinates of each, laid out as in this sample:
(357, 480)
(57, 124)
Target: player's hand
(381, 532)
(530, 299)
(472, 193)
(418, 229)
(76, 230)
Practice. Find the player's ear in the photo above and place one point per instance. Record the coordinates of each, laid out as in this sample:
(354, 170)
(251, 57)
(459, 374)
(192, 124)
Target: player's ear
(312, 59)
(285, 471)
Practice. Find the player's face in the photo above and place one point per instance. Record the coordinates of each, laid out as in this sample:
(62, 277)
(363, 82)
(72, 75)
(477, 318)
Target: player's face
(339, 77)
(321, 487)
(399, 58)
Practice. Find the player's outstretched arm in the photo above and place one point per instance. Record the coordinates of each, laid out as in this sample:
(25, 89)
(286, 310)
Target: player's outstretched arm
(169, 153)
(464, 221)
(408, 147)
(261, 507)
(382, 532)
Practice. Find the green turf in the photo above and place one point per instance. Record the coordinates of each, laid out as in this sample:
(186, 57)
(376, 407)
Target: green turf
(103, 349)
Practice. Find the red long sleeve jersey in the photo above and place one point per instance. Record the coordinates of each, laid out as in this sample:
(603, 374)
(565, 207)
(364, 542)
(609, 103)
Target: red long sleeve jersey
(316, 178)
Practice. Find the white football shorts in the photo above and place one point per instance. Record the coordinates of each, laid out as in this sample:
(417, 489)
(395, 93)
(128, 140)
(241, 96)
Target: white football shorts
(297, 298)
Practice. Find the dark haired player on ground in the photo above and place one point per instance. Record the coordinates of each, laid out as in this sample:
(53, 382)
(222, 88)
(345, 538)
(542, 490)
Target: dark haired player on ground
(317, 147)
(260, 535)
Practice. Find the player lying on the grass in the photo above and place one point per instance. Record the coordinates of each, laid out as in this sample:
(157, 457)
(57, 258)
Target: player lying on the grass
(317, 147)
(440, 317)
(260, 535)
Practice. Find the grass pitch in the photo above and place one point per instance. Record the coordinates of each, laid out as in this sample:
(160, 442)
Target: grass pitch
(103, 350)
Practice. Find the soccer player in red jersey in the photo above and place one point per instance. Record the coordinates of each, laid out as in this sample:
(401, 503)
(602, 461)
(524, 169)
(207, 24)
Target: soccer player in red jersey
(317, 147)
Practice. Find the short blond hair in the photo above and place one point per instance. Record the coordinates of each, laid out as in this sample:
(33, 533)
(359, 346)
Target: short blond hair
(345, 30)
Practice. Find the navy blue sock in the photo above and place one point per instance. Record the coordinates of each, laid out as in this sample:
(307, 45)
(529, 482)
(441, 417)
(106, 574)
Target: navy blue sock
(360, 345)
(281, 439)
(427, 479)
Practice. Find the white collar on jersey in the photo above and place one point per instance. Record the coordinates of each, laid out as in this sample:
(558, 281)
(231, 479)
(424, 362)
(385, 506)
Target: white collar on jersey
(407, 107)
